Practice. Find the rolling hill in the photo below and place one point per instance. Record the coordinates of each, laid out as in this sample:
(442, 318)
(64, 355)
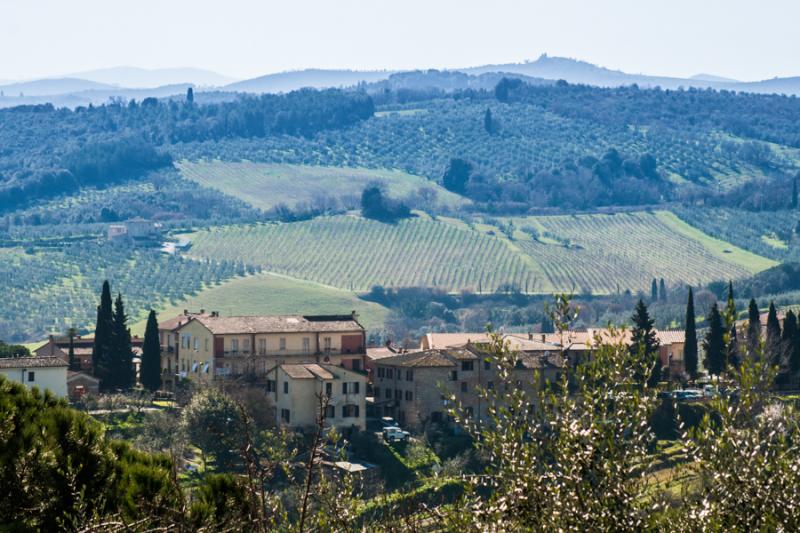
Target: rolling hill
(591, 253)
(282, 82)
(265, 186)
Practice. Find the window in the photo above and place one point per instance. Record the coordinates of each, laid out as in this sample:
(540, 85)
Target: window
(262, 346)
(306, 344)
(246, 345)
(356, 364)
(388, 394)
(409, 395)
(350, 411)
(356, 387)
(380, 372)
(271, 385)
(285, 415)
(196, 344)
(31, 376)
(326, 341)
(206, 344)
(329, 389)
(487, 365)
(463, 386)
(398, 394)
(453, 376)
(330, 411)
(344, 387)
(467, 366)
(376, 392)
(286, 387)
(409, 375)
(282, 343)
(234, 345)
(388, 373)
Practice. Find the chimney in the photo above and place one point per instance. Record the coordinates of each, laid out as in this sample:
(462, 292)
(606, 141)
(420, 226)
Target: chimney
(544, 337)
(185, 312)
(202, 311)
(530, 335)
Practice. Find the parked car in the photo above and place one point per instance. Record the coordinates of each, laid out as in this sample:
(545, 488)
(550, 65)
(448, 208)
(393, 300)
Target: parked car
(388, 421)
(395, 434)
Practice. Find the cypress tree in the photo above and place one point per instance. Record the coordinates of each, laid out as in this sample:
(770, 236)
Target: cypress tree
(645, 342)
(773, 344)
(653, 290)
(662, 290)
(731, 338)
(103, 333)
(730, 307)
(150, 370)
(487, 121)
(190, 95)
(122, 354)
(690, 348)
(794, 354)
(788, 344)
(753, 330)
(74, 365)
(794, 193)
(714, 343)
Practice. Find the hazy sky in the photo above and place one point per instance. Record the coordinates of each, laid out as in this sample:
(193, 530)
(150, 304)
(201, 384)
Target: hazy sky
(736, 38)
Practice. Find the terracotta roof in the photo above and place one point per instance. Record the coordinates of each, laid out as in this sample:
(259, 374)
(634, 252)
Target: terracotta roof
(220, 325)
(31, 362)
(671, 336)
(380, 353)
(174, 323)
(443, 340)
(427, 358)
(307, 371)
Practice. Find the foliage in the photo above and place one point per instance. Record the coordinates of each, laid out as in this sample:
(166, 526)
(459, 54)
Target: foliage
(376, 205)
(714, 344)
(644, 341)
(690, 340)
(13, 350)
(213, 422)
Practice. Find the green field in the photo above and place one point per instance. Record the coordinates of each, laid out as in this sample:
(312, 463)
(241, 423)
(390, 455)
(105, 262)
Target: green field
(597, 253)
(264, 185)
(267, 294)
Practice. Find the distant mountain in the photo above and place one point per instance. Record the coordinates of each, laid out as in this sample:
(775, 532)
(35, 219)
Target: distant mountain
(446, 81)
(101, 94)
(51, 87)
(140, 78)
(713, 78)
(318, 78)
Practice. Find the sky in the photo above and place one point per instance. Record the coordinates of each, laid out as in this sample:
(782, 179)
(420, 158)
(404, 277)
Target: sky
(746, 40)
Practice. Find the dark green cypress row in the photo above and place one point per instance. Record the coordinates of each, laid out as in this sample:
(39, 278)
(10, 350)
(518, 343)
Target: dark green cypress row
(714, 343)
(753, 330)
(150, 370)
(102, 363)
(122, 353)
(690, 347)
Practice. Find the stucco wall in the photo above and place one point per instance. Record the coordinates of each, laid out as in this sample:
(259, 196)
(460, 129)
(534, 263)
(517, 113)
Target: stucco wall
(53, 379)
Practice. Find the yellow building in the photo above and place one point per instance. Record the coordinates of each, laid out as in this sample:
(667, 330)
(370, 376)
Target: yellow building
(208, 346)
(301, 386)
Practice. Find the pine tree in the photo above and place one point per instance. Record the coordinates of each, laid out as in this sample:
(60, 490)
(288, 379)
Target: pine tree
(714, 343)
(103, 333)
(772, 349)
(753, 330)
(653, 290)
(690, 347)
(731, 338)
(150, 370)
(662, 290)
(74, 365)
(487, 121)
(645, 342)
(122, 353)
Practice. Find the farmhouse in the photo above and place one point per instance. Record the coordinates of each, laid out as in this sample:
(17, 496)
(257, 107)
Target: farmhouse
(46, 373)
(213, 346)
(301, 386)
(82, 347)
(414, 387)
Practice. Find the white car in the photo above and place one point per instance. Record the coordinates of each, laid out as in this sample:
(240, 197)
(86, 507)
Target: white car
(395, 434)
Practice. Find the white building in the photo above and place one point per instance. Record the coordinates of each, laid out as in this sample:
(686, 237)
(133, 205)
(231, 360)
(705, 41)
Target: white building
(48, 373)
(299, 386)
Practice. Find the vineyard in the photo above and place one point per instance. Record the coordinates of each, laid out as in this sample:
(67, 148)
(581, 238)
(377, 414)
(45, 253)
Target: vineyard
(597, 253)
(267, 294)
(355, 254)
(49, 291)
(609, 253)
(267, 185)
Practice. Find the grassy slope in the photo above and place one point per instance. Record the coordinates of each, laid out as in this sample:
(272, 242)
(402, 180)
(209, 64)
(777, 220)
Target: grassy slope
(723, 250)
(606, 253)
(273, 294)
(265, 185)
